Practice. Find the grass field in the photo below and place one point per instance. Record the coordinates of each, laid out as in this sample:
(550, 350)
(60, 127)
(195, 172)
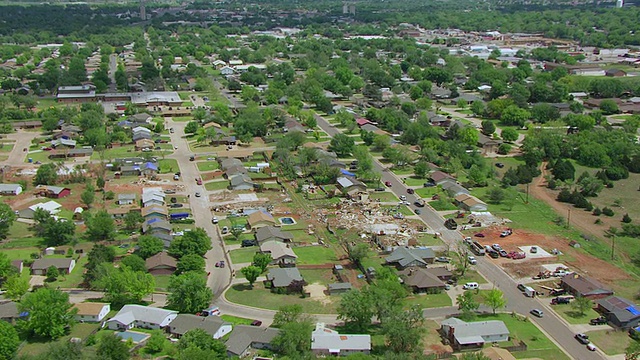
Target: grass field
(384, 196)
(40, 346)
(610, 341)
(74, 279)
(261, 297)
(317, 276)
(413, 181)
(471, 276)
(216, 185)
(208, 166)
(162, 282)
(572, 316)
(235, 320)
(314, 255)
(538, 345)
(426, 301)
(244, 255)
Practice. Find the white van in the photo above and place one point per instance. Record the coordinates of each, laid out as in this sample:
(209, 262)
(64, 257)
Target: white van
(470, 286)
(529, 291)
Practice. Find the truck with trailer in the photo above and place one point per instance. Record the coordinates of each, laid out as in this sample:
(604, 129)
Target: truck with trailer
(179, 216)
(477, 248)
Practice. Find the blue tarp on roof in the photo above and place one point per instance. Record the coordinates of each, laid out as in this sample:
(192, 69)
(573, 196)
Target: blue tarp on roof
(151, 166)
(633, 310)
(345, 172)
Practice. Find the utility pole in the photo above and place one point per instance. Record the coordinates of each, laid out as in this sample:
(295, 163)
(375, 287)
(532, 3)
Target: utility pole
(568, 217)
(613, 246)
(527, 199)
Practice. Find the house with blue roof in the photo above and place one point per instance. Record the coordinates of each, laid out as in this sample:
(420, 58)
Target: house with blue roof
(620, 312)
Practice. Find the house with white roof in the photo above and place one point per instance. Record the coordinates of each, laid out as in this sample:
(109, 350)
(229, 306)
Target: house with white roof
(51, 206)
(465, 335)
(325, 342)
(131, 316)
(10, 189)
(153, 196)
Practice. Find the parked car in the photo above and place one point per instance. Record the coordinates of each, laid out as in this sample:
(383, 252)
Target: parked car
(470, 286)
(174, 206)
(198, 194)
(222, 263)
(256, 323)
(503, 253)
(499, 165)
(199, 181)
(537, 312)
(403, 198)
(582, 338)
(443, 259)
(171, 130)
(380, 189)
(214, 220)
(601, 320)
(496, 247)
(506, 233)
(429, 184)
(521, 287)
(493, 254)
(387, 183)
(224, 230)
(417, 211)
(218, 264)
(248, 243)
(480, 235)
(533, 250)
(472, 260)
(410, 191)
(591, 347)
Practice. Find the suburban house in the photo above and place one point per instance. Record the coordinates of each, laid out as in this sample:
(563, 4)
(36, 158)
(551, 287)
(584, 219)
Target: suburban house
(267, 233)
(9, 311)
(614, 73)
(488, 144)
(156, 226)
(212, 325)
(51, 206)
(496, 353)
(260, 219)
(226, 70)
(281, 253)
(154, 211)
(438, 176)
(470, 203)
(338, 288)
(244, 337)
(64, 265)
(350, 186)
(292, 125)
(55, 192)
(226, 163)
(130, 170)
(235, 170)
(241, 182)
(619, 311)
(283, 277)
(126, 199)
(466, 335)
(141, 316)
(10, 189)
(325, 341)
(120, 212)
(64, 143)
(141, 133)
(91, 312)
(422, 280)
(144, 145)
(18, 264)
(141, 118)
(453, 188)
(161, 264)
(153, 196)
(578, 285)
(403, 257)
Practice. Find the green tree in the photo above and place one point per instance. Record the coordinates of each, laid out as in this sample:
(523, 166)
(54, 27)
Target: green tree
(46, 175)
(288, 314)
(10, 340)
(513, 115)
(581, 304)
(488, 127)
(632, 352)
(294, 339)
(101, 227)
(98, 255)
(6, 269)
(111, 347)
(189, 293)
(148, 246)
(87, 197)
(156, 342)
(64, 350)
(134, 262)
(52, 273)
(357, 253)
(496, 195)
(132, 220)
(342, 145)
(494, 298)
(191, 127)
(7, 218)
(563, 170)
(50, 313)
(403, 331)
(198, 339)
(123, 285)
(55, 232)
(196, 241)
(191, 262)
(509, 134)
(356, 309)
(251, 273)
(16, 286)
(478, 108)
(466, 302)
(261, 261)
(468, 135)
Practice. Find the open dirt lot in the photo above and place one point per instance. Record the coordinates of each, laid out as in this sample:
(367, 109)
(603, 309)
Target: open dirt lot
(575, 259)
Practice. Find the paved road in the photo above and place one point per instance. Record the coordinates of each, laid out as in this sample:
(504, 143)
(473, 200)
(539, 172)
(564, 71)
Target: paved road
(22, 141)
(219, 278)
(113, 67)
(558, 331)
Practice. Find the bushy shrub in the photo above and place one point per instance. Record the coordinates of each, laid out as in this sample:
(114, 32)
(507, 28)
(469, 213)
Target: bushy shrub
(608, 212)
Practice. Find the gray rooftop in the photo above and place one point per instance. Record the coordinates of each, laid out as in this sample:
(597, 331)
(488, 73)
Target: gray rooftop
(272, 232)
(284, 276)
(473, 332)
(404, 256)
(243, 336)
(185, 322)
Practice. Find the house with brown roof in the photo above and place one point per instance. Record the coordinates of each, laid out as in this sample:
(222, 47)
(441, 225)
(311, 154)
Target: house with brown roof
(438, 176)
(8, 311)
(422, 280)
(91, 312)
(267, 233)
(144, 145)
(470, 203)
(578, 285)
(161, 264)
(260, 219)
(64, 265)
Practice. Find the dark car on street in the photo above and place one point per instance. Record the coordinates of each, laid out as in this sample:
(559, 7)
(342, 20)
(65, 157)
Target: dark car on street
(582, 338)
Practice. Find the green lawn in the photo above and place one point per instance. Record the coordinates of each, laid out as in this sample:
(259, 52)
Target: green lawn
(162, 282)
(429, 300)
(403, 171)
(20, 253)
(471, 276)
(208, 166)
(263, 298)
(384, 196)
(314, 255)
(429, 240)
(182, 118)
(413, 181)
(538, 345)
(243, 255)
(318, 276)
(235, 320)
(74, 279)
(610, 341)
(168, 166)
(36, 347)
(216, 185)
(443, 204)
(572, 316)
